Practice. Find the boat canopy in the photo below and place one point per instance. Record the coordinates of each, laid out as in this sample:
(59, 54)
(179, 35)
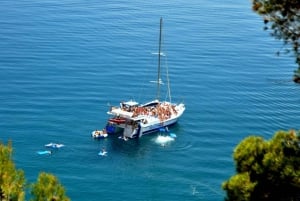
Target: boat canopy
(130, 103)
(121, 113)
(151, 103)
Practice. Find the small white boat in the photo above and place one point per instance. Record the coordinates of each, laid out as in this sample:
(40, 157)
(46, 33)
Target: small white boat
(99, 134)
(54, 145)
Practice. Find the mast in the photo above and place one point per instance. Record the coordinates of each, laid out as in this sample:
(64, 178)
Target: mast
(159, 58)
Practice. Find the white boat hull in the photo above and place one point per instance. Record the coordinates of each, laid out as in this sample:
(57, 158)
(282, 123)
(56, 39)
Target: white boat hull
(146, 129)
(152, 126)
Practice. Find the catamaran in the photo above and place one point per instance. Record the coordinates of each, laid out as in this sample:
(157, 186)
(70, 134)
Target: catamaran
(136, 120)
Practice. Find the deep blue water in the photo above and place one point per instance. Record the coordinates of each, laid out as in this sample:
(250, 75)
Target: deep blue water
(63, 62)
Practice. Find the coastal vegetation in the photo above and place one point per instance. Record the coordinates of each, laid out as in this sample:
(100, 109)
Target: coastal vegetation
(13, 184)
(281, 18)
(266, 169)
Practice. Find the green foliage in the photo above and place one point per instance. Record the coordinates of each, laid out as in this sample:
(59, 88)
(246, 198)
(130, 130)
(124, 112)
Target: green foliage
(239, 187)
(12, 181)
(282, 18)
(266, 170)
(249, 154)
(48, 188)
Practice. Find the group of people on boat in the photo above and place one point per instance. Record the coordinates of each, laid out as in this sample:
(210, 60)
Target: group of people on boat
(162, 110)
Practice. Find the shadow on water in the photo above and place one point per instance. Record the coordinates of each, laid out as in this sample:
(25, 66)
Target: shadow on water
(140, 147)
(137, 147)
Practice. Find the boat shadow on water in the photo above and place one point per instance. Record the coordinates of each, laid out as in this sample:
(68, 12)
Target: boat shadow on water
(136, 147)
(139, 147)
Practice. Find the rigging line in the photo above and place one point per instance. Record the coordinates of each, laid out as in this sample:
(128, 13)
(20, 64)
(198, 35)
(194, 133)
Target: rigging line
(163, 54)
(168, 80)
(159, 57)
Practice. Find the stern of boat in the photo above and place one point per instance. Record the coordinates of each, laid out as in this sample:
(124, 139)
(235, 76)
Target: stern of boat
(131, 131)
(112, 128)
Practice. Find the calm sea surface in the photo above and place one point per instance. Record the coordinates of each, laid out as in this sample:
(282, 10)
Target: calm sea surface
(62, 62)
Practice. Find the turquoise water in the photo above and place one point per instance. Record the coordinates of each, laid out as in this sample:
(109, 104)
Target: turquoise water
(63, 62)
